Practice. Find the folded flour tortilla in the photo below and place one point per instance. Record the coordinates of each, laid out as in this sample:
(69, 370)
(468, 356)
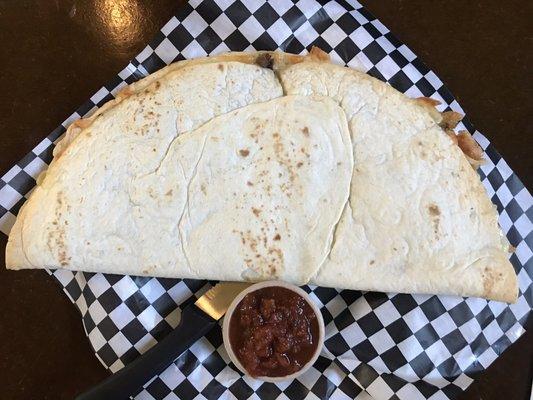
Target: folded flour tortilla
(321, 174)
(247, 195)
(418, 218)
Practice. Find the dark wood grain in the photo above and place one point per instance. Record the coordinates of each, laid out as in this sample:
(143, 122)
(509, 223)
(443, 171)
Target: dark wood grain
(55, 54)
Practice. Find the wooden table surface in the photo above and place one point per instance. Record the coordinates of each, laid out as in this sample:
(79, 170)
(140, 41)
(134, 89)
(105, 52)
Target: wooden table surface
(56, 54)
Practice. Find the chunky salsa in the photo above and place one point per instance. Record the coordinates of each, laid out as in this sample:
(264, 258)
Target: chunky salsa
(273, 332)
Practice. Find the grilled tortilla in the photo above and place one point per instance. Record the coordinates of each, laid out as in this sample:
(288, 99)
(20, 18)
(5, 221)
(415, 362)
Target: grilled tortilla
(418, 218)
(349, 184)
(251, 194)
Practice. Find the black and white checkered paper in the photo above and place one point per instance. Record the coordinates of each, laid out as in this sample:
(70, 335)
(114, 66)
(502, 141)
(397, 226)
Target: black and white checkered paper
(378, 346)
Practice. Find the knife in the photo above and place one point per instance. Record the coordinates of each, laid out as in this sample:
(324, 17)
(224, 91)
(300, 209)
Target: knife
(196, 320)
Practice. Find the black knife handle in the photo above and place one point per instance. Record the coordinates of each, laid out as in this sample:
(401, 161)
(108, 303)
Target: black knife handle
(129, 380)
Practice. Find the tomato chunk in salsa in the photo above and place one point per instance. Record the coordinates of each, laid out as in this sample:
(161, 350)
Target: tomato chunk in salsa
(273, 332)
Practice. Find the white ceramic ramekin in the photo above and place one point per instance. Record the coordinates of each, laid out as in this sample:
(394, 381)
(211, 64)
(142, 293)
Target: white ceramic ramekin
(253, 288)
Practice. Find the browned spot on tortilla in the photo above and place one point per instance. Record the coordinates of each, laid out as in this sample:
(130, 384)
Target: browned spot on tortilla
(305, 131)
(157, 84)
(220, 67)
(62, 258)
(434, 210)
(256, 211)
(277, 255)
(148, 270)
(244, 152)
(265, 60)
(299, 164)
(169, 193)
(266, 258)
(372, 262)
(202, 188)
(153, 150)
(56, 234)
(124, 92)
(277, 237)
(249, 183)
(489, 281)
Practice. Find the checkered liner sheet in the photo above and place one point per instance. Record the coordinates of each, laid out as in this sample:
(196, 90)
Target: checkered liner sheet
(380, 346)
